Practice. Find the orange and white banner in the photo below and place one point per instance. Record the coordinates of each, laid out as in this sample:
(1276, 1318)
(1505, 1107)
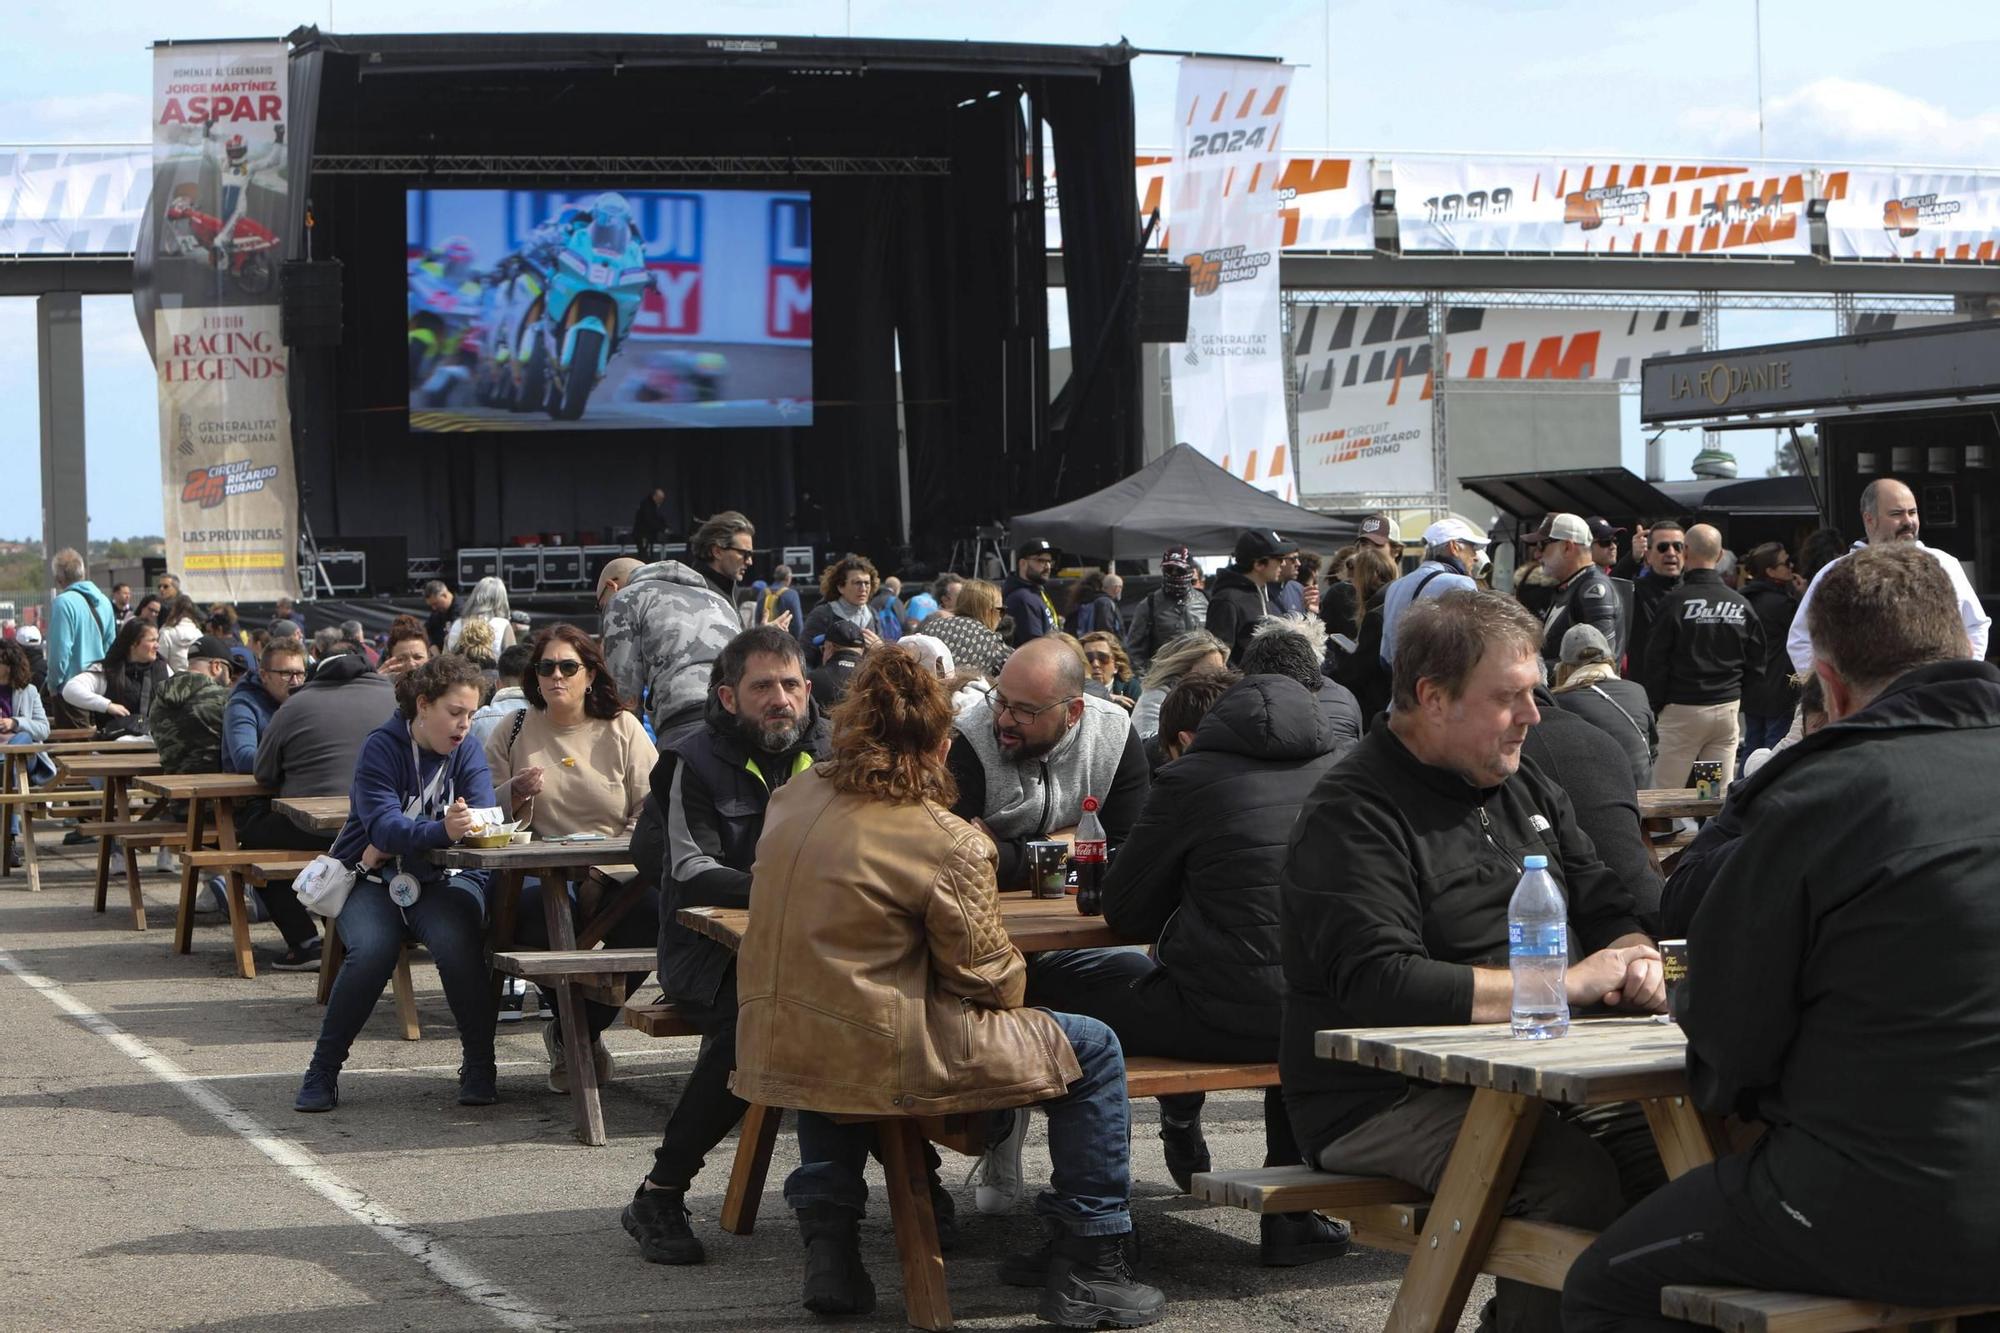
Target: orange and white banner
(1935, 215)
(1548, 206)
(1228, 377)
(1366, 378)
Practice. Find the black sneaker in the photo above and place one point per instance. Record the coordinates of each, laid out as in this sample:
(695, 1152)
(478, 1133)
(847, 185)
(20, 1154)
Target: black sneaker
(1186, 1150)
(75, 838)
(836, 1282)
(320, 1091)
(15, 857)
(1090, 1284)
(1288, 1240)
(658, 1220)
(305, 958)
(478, 1084)
(944, 1209)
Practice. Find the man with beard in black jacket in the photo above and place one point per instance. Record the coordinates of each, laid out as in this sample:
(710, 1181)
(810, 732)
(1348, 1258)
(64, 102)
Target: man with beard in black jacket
(1026, 596)
(1584, 595)
(1844, 988)
(1242, 595)
(711, 785)
(1394, 895)
(1199, 873)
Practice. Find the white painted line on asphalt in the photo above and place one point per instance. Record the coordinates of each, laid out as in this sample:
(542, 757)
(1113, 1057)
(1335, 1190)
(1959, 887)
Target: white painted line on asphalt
(307, 1169)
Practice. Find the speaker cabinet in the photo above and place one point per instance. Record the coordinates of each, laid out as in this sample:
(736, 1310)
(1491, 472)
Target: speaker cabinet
(309, 302)
(1162, 304)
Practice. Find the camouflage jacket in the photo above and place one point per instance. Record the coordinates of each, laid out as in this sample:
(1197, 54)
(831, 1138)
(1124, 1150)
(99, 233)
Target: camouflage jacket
(661, 634)
(186, 723)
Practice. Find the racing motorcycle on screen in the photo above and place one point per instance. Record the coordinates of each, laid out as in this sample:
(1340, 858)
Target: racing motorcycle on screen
(444, 301)
(251, 257)
(593, 298)
(509, 311)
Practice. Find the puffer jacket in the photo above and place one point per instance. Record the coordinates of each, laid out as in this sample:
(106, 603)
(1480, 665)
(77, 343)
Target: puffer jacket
(662, 632)
(1199, 871)
(1236, 604)
(876, 976)
(185, 722)
(1772, 694)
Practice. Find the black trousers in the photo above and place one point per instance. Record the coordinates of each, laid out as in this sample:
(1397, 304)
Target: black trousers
(1726, 1225)
(259, 825)
(707, 1110)
(1140, 1001)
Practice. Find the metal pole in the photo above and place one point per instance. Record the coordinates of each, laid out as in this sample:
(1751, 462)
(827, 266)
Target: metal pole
(1440, 458)
(1759, 26)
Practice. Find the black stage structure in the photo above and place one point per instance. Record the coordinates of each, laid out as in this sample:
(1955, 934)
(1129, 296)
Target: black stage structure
(925, 164)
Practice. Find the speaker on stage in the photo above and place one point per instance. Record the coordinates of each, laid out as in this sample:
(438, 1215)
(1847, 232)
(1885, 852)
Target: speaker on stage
(1162, 305)
(309, 302)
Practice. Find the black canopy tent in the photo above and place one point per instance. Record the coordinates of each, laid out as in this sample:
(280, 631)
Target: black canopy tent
(1746, 510)
(1180, 498)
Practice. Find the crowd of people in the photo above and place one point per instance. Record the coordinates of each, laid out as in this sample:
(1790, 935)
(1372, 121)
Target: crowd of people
(1319, 779)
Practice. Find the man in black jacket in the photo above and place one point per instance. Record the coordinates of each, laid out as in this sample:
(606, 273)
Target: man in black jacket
(1199, 873)
(1844, 989)
(1394, 895)
(1242, 595)
(1768, 705)
(712, 784)
(1584, 595)
(1705, 648)
(1666, 548)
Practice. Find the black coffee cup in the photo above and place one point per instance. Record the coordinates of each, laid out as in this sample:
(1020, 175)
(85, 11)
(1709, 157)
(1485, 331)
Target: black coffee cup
(1674, 968)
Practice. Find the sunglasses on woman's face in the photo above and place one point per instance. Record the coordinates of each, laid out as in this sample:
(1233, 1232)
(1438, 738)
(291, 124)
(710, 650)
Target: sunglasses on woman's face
(1098, 659)
(548, 666)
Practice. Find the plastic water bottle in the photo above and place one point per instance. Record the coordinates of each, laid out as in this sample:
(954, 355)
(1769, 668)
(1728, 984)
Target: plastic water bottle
(1538, 953)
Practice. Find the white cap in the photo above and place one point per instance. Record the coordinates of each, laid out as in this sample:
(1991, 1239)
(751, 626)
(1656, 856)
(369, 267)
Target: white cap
(28, 636)
(1453, 530)
(1565, 528)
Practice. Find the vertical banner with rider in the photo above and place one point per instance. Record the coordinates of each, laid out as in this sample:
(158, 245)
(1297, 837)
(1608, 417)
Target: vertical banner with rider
(225, 426)
(1229, 378)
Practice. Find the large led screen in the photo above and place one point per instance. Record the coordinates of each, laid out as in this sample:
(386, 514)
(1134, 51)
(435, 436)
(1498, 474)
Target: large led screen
(608, 309)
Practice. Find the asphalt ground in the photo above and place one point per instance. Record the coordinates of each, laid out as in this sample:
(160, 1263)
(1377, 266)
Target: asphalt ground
(154, 1176)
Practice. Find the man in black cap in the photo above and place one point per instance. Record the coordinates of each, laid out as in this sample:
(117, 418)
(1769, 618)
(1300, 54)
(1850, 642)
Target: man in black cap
(1240, 596)
(1380, 530)
(840, 657)
(1174, 608)
(1026, 595)
(1604, 542)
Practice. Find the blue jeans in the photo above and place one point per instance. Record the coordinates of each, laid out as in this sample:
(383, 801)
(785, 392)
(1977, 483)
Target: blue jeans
(450, 918)
(1760, 732)
(1090, 1129)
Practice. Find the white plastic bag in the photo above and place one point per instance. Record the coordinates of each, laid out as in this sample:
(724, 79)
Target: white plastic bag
(323, 886)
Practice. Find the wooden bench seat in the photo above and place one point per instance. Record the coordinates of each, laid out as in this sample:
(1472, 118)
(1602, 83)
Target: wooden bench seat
(211, 858)
(138, 832)
(236, 866)
(1299, 1189)
(1158, 1076)
(658, 1020)
(1737, 1310)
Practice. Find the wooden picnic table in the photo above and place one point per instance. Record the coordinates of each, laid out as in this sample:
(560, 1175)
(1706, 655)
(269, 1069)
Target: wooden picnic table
(117, 767)
(555, 862)
(15, 764)
(211, 809)
(1600, 1060)
(1677, 803)
(1036, 925)
(314, 814)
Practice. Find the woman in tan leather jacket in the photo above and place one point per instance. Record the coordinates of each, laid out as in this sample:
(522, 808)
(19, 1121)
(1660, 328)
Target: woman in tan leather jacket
(876, 978)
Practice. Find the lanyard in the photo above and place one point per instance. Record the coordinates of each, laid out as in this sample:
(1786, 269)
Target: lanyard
(422, 803)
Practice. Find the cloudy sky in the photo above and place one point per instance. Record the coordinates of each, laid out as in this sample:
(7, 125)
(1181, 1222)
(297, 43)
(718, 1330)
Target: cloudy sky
(1843, 81)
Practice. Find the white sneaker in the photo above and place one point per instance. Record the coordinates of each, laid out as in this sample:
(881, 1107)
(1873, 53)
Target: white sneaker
(997, 1177)
(558, 1067)
(600, 1055)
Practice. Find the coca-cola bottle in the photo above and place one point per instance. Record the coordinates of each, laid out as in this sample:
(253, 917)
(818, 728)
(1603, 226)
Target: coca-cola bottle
(1088, 855)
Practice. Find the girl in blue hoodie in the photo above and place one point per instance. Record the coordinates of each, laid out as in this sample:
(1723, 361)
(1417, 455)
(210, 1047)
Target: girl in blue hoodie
(416, 784)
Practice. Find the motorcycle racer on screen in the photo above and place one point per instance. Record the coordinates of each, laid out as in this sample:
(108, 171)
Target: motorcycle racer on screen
(444, 298)
(595, 290)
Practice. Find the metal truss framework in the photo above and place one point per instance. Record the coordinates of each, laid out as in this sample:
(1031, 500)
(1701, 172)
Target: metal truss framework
(1837, 303)
(599, 166)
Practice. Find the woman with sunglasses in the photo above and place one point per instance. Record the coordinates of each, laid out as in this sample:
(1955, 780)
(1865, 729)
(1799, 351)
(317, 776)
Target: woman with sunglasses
(119, 690)
(575, 760)
(1105, 662)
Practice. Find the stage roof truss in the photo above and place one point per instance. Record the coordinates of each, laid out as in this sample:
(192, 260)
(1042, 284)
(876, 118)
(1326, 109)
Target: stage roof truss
(600, 167)
(1832, 302)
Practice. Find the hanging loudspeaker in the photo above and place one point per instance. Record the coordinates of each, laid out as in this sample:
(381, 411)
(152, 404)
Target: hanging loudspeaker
(309, 302)
(1162, 306)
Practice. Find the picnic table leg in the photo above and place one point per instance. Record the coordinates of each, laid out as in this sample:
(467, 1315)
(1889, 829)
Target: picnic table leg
(31, 862)
(755, 1139)
(1687, 1137)
(184, 923)
(132, 887)
(239, 925)
(926, 1301)
(406, 997)
(114, 809)
(1465, 1211)
(7, 783)
(506, 902)
(575, 1027)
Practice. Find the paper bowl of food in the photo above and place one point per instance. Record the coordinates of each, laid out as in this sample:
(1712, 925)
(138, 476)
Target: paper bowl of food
(520, 837)
(490, 835)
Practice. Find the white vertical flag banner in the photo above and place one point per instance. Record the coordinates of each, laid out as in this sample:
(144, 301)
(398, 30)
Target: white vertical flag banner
(1228, 377)
(225, 426)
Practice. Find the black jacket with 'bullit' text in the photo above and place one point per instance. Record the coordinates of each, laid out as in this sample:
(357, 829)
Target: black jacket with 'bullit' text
(1707, 645)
